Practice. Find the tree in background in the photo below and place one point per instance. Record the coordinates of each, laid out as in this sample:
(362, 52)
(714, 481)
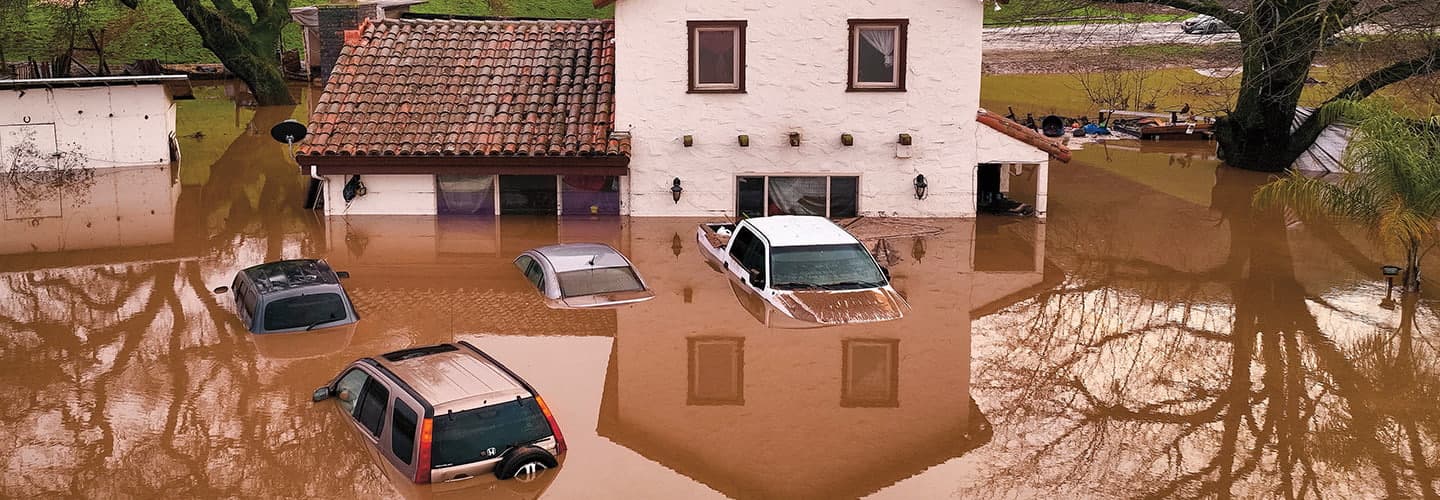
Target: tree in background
(1280, 40)
(1389, 181)
(244, 40)
(12, 13)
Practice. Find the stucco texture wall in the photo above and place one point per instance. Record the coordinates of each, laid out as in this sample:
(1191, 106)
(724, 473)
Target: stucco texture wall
(384, 195)
(797, 53)
(110, 126)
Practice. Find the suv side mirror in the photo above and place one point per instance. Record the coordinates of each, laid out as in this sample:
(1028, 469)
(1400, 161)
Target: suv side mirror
(320, 394)
(757, 278)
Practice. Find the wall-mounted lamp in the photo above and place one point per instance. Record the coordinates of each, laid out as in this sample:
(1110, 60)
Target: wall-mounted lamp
(905, 140)
(921, 187)
(847, 139)
(794, 139)
(744, 141)
(689, 140)
(675, 190)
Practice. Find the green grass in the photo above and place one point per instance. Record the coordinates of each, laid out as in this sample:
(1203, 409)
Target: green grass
(156, 30)
(1051, 12)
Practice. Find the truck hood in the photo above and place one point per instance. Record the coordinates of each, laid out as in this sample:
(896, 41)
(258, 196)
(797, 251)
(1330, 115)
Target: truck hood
(839, 307)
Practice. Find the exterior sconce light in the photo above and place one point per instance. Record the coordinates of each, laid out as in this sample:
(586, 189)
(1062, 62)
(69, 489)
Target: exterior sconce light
(675, 189)
(744, 141)
(921, 187)
(689, 140)
(905, 140)
(794, 139)
(676, 245)
(847, 139)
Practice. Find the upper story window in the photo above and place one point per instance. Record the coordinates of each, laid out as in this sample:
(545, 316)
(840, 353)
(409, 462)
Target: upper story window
(717, 56)
(877, 54)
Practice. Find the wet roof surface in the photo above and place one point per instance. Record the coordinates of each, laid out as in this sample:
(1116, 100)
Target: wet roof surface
(796, 230)
(449, 377)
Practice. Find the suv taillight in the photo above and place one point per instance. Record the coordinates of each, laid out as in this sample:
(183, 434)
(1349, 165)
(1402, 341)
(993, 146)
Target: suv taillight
(422, 465)
(554, 427)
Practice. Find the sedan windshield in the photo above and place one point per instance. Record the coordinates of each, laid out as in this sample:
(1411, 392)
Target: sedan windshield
(600, 280)
(824, 267)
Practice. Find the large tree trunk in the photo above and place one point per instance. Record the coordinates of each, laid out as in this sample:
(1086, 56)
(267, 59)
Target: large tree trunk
(248, 53)
(1257, 134)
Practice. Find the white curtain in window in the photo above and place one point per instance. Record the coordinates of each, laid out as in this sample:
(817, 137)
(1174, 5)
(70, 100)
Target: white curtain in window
(467, 194)
(882, 40)
(798, 195)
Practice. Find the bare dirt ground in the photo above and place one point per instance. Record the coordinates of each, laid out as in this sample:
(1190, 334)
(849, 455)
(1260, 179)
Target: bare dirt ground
(1064, 48)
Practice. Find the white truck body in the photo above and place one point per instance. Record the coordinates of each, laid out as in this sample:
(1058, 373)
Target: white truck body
(806, 267)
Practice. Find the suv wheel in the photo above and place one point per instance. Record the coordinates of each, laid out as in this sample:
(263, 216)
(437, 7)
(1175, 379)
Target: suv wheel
(524, 463)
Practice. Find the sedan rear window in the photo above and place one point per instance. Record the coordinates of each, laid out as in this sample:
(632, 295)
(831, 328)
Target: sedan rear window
(485, 433)
(304, 311)
(601, 280)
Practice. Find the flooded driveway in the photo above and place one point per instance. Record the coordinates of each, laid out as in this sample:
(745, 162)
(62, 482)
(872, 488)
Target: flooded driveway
(1156, 338)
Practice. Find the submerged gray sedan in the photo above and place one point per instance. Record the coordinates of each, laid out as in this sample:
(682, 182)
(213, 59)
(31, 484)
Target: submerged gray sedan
(583, 275)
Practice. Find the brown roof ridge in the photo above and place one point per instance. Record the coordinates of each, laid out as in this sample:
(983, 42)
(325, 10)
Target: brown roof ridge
(1024, 134)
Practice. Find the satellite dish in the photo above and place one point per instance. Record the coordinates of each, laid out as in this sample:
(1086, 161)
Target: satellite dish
(288, 132)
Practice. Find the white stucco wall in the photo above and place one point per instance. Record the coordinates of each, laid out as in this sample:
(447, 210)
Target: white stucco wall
(796, 59)
(384, 195)
(111, 126)
(991, 146)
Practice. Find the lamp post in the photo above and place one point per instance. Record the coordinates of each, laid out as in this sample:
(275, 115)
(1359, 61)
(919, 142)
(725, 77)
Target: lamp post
(1390, 273)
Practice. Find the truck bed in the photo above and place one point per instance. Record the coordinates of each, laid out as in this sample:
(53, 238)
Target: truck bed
(715, 234)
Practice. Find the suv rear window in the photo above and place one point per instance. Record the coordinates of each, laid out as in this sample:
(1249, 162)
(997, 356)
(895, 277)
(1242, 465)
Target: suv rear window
(485, 433)
(303, 311)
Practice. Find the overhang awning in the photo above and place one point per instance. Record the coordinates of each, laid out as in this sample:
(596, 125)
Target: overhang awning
(465, 165)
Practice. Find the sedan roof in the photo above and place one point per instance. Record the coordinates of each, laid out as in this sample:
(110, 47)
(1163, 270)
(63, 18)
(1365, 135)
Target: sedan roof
(580, 256)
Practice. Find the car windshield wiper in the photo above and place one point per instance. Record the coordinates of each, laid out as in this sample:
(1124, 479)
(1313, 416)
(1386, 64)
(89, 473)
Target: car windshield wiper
(321, 322)
(847, 285)
(796, 286)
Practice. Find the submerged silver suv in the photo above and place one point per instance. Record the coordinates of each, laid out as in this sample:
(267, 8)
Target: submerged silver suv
(448, 412)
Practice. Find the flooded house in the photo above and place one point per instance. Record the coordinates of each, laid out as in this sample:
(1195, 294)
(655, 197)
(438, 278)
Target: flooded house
(107, 121)
(672, 109)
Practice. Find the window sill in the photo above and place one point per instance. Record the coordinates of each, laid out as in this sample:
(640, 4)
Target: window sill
(715, 91)
(875, 89)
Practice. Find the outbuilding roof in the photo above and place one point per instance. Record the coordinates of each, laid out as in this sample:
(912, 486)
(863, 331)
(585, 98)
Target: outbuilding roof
(1024, 134)
(471, 88)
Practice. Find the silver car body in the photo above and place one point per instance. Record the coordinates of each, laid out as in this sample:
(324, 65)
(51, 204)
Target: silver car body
(543, 266)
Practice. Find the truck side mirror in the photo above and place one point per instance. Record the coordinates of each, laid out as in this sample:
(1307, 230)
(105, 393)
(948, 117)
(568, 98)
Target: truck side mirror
(757, 278)
(320, 394)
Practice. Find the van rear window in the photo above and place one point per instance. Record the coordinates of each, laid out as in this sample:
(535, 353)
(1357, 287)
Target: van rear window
(485, 433)
(303, 311)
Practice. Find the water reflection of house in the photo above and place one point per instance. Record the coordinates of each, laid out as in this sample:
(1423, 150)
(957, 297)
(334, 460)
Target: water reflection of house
(441, 276)
(692, 373)
(863, 109)
(102, 121)
(106, 209)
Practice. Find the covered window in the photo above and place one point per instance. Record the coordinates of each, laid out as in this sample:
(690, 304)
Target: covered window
(717, 371)
(465, 194)
(870, 373)
(717, 56)
(877, 54)
(826, 196)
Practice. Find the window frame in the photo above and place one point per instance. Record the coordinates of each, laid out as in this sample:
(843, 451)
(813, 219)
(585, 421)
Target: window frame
(693, 397)
(848, 398)
(692, 60)
(902, 39)
(765, 190)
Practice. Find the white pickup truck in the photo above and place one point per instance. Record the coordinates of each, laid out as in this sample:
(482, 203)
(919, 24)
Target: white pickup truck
(807, 267)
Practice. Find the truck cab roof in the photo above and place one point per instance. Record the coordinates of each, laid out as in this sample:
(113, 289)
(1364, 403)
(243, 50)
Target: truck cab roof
(800, 230)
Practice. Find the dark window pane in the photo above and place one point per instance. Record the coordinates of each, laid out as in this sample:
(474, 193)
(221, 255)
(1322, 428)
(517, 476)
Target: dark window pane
(303, 311)
(843, 193)
(590, 194)
(402, 431)
(876, 49)
(797, 196)
(465, 194)
(593, 281)
(372, 406)
(715, 56)
(485, 433)
(750, 196)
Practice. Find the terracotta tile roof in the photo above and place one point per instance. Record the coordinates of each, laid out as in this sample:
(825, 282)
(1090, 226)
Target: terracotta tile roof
(1024, 134)
(503, 88)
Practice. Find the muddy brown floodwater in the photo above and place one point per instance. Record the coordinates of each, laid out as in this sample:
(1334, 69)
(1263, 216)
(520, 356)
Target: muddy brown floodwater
(1156, 337)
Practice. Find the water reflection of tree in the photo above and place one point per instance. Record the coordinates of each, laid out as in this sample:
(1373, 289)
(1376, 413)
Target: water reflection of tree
(132, 380)
(1138, 383)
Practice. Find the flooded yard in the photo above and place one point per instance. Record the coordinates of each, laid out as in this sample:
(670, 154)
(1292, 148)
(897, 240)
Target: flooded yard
(1156, 337)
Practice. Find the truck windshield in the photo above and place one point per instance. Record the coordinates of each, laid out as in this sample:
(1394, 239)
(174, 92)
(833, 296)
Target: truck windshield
(485, 433)
(601, 280)
(824, 267)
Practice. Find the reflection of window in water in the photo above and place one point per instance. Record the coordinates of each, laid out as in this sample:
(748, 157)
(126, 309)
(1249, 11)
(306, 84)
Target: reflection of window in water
(870, 373)
(717, 371)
